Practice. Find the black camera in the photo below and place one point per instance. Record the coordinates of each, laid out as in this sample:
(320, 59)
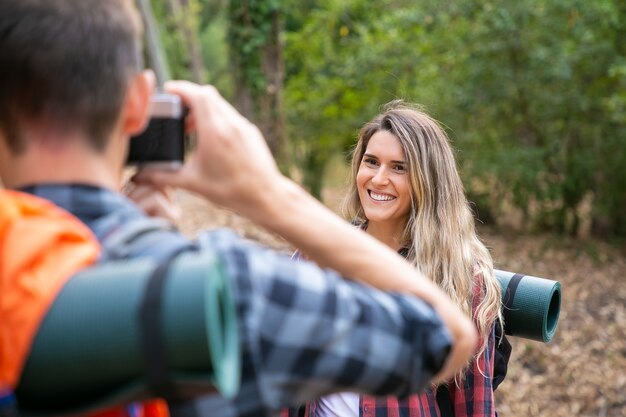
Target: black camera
(163, 141)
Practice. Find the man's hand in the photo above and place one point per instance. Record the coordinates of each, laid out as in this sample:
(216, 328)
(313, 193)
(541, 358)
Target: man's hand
(232, 165)
(153, 201)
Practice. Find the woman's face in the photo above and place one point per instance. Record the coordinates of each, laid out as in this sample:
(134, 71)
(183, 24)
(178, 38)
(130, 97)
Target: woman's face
(383, 180)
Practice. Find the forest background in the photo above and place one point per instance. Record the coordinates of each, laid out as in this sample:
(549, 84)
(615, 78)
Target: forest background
(533, 96)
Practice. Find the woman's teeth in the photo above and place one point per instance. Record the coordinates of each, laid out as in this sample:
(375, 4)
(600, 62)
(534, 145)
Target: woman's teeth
(381, 197)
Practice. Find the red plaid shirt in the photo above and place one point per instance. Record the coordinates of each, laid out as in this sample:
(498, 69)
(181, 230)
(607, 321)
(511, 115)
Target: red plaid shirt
(474, 398)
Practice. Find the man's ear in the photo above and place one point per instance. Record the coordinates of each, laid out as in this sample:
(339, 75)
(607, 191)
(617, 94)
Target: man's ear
(136, 112)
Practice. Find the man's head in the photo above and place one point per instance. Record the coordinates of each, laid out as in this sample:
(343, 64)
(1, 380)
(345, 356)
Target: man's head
(65, 67)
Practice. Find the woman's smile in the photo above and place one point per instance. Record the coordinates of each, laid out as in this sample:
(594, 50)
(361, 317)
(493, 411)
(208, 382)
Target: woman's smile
(378, 196)
(383, 180)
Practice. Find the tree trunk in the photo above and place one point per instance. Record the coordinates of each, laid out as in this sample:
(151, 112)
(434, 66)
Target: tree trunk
(261, 102)
(270, 108)
(186, 22)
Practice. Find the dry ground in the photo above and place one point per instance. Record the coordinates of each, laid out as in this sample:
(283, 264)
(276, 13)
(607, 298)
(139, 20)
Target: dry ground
(582, 372)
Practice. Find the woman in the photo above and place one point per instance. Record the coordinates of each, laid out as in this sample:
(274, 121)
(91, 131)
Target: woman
(406, 192)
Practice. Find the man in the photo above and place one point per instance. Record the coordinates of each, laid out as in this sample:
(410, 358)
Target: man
(72, 93)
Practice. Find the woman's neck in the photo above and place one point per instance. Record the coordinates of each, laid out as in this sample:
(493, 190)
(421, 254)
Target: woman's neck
(389, 234)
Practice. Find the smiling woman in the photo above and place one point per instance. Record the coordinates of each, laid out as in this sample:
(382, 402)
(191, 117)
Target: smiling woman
(384, 187)
(406, 192)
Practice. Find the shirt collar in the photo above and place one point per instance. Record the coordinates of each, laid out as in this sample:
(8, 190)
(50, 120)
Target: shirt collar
(87, 202)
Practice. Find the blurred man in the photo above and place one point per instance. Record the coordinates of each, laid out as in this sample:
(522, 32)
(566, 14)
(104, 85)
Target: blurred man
(72, 93)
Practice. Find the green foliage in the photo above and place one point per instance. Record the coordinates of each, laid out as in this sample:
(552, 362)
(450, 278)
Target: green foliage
(539, 74)
(336, 80)
(533, 93)
(250, 30)
(172, 40)
(215, 52)
(208, 18)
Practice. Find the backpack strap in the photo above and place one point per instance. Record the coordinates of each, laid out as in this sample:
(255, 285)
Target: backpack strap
(8, 404)
(444, 401)
(133, 237)
(502, 354)
(152, 338)
(147, 236)
(509, 296)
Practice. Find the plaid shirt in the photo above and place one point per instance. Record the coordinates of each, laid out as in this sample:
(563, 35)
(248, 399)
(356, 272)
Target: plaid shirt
(474, 398)
(305, 332)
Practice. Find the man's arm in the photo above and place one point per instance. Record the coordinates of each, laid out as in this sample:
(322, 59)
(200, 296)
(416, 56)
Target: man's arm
(233, 167)
(309, 332)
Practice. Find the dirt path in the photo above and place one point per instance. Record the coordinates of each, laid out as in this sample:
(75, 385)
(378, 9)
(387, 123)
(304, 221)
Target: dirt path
(582, 372)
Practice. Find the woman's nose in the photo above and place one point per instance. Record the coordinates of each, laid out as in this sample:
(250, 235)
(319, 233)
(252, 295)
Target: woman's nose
(381, 177)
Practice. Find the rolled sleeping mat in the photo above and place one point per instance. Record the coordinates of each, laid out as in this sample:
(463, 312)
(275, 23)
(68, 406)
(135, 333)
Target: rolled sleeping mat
(92, 347)
(530, 305)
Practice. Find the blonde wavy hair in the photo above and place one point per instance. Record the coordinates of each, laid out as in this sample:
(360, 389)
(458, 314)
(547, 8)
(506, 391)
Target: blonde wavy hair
(440, 234)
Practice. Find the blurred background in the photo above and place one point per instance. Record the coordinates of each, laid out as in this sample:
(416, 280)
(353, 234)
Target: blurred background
(533, 96)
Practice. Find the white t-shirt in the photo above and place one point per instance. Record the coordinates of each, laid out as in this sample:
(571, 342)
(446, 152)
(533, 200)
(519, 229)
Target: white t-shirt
(343, 404)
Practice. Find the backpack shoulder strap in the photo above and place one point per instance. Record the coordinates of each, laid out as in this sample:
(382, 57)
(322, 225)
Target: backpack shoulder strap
(133, 237)
(137, 236)
(8, 404)
(444, 401)
(157, 237)
(502, 354)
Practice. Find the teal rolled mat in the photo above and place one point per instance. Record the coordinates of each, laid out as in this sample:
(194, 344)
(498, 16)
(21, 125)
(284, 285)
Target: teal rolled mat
(531, 305)
(88, 352)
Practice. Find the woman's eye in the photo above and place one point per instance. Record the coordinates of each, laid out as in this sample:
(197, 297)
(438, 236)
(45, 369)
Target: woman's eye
(399, 168)
(370, 161)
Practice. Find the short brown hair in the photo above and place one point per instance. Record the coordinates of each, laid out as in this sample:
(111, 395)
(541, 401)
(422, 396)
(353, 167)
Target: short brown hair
(66, 63)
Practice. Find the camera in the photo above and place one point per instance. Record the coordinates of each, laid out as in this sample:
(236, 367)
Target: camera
(163, 141)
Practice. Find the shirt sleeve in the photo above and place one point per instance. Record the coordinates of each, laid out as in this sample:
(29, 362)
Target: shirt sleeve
(307, 332)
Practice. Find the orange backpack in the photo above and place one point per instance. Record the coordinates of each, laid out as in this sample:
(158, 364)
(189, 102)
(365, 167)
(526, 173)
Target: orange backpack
(41, 247)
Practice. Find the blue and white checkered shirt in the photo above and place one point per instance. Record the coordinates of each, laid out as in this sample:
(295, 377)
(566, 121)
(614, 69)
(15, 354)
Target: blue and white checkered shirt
(305, 332)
